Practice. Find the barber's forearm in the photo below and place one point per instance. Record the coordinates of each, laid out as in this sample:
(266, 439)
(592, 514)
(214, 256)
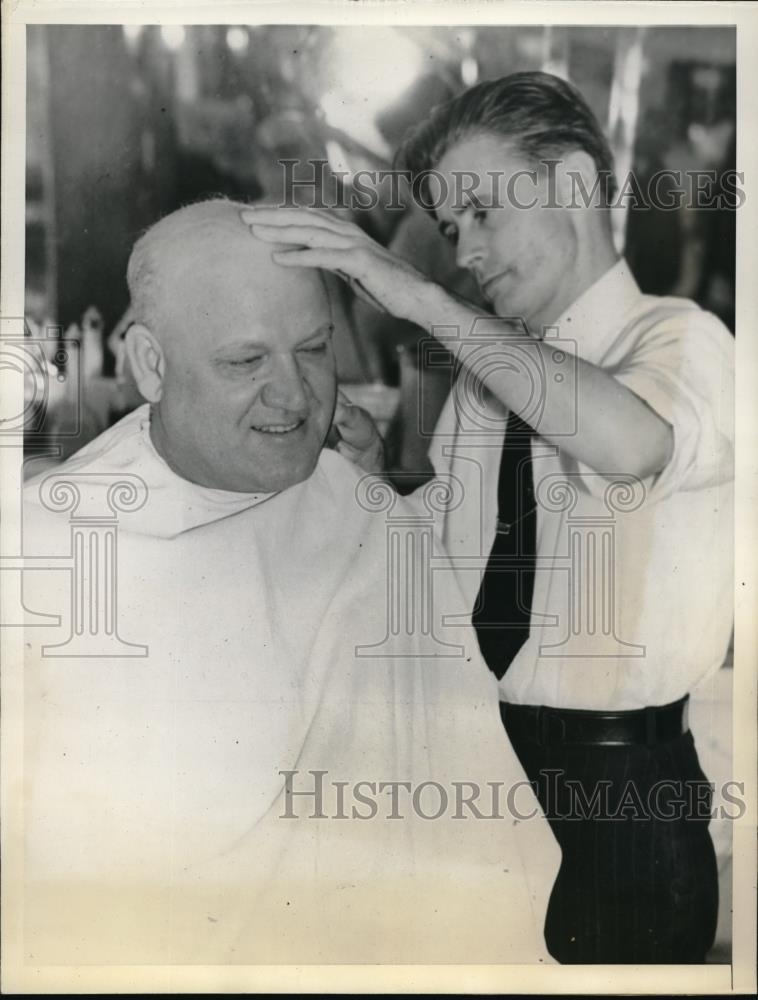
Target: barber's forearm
(616, 431)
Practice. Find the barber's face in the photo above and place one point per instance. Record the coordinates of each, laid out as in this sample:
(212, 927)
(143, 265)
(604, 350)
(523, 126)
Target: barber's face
(523, 258)
(249, 387)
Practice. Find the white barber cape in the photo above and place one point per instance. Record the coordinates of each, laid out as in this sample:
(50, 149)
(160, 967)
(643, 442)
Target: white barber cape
(159, 827)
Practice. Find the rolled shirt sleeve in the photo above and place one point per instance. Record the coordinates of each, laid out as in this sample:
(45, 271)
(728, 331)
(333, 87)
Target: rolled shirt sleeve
(683, 368)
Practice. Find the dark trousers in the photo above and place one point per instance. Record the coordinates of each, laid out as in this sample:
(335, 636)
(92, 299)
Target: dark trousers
(634, 886)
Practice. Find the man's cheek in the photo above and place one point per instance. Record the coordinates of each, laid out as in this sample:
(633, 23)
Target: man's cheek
(182, 385)
(324, 384)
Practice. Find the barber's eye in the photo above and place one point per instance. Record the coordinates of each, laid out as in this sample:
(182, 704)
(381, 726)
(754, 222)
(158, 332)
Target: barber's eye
(451, 234)
(316, 348)
(480, 214)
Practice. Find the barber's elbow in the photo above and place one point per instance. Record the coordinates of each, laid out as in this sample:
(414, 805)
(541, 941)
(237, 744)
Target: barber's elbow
(653, 453)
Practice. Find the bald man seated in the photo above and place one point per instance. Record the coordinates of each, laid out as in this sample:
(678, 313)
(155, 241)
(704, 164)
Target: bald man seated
(230, 757)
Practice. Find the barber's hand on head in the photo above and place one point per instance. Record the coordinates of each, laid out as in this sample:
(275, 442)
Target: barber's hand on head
(359, 439)
(318, 239)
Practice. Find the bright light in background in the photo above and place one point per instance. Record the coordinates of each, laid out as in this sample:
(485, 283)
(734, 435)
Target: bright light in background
(173, 36)
(557, 67)
(132, 35)
(362, 73)
(237, 39)
(132, 32)
(623, 111)
(467, 37)
(469, 71)
(336, 157)
(555, 52)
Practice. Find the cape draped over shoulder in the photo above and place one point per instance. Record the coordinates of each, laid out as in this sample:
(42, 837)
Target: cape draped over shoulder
(159, 827)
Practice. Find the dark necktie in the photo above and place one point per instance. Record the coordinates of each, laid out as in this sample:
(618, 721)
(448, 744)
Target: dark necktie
(503, 605)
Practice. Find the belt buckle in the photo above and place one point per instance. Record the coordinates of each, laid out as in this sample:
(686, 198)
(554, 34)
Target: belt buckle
(544, 717)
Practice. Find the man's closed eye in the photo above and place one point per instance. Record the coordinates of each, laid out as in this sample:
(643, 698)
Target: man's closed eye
(241, 364)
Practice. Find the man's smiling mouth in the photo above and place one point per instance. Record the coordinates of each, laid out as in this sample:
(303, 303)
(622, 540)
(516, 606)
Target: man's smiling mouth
(278, 428)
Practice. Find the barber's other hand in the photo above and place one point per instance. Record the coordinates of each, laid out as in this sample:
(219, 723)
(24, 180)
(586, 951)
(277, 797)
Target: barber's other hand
(360, 441)
(319, 239)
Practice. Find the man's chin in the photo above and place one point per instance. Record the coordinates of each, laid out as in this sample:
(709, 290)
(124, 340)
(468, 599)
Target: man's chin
(278, 480)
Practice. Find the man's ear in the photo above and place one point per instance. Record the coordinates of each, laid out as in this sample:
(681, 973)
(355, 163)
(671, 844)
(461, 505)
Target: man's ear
(146, 361)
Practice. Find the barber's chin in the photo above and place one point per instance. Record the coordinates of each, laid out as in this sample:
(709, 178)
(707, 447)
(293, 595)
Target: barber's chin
(509, 307)
(501, 303)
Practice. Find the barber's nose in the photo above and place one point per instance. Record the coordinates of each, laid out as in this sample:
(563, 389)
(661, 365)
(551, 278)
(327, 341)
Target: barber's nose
(470, 250)
(286, 389)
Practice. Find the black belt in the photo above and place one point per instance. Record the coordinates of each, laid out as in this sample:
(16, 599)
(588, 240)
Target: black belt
(547, 726)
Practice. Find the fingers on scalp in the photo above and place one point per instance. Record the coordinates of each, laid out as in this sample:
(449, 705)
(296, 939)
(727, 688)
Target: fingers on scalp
(308, 258)
(329, 218)
(310, 236)
(325, 237)
(302, 216)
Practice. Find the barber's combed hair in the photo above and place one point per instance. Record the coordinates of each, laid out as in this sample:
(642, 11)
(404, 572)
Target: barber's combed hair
(540, 114)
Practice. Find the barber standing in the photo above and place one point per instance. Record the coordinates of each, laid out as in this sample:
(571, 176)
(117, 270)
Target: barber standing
(590, 427)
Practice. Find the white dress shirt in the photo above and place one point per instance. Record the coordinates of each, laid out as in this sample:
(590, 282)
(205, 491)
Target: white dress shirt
(633, 592)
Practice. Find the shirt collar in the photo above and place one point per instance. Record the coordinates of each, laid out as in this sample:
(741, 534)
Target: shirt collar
(594, 320)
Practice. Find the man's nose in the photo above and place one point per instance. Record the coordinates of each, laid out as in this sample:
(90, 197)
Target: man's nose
(286, 388)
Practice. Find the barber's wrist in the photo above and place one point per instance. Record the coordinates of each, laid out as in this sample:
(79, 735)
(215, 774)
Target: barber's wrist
(440, 311)
(430, 305)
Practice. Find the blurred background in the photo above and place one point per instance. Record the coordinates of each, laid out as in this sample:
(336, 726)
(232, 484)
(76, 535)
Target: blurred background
(125, 124)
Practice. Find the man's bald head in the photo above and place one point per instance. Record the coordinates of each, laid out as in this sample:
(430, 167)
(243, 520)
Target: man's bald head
(190, 246)
(233, 350)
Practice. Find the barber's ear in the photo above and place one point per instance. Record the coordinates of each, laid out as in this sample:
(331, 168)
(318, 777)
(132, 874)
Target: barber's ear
(145, 357)
(577, 178)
